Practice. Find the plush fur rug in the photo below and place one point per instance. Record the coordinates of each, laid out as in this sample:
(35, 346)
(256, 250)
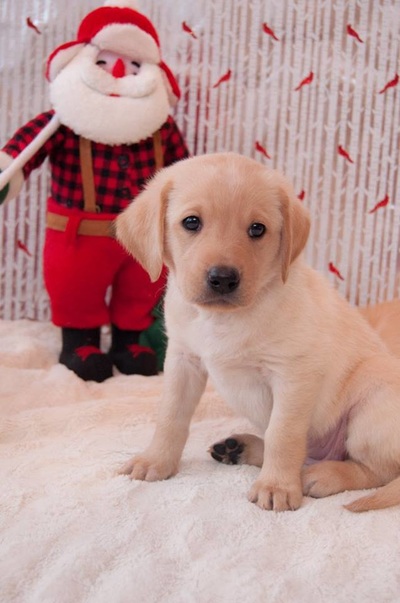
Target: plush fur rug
(72, 530)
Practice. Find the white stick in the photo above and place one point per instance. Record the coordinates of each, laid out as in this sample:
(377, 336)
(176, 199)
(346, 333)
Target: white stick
(29, 151)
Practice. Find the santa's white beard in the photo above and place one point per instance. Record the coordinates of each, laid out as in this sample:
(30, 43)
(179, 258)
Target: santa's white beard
(80, 95)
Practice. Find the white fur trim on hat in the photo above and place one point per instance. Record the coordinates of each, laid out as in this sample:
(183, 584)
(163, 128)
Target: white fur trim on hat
(60, 58)
(122, 4)
(129, 40)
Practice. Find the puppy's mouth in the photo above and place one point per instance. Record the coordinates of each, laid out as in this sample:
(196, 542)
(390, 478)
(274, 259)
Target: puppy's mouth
(218, 302)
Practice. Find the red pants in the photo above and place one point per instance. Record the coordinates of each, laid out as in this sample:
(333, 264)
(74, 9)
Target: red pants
(78, 273)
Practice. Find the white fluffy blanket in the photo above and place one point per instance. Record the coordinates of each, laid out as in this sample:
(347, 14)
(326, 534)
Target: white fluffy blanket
(72, 530)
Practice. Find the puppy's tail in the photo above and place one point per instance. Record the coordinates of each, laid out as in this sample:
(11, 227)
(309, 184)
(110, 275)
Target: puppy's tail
(387, 496)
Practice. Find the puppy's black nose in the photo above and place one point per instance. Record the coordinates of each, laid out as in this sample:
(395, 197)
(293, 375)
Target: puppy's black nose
(223, 279)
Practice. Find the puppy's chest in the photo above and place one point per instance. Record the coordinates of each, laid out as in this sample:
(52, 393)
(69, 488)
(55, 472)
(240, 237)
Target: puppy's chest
(238, 366)
(246, 389)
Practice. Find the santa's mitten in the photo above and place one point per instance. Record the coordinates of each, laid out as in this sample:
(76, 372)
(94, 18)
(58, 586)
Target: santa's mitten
(81, 353)
(129, 356)
(4, 192)
(13, 187)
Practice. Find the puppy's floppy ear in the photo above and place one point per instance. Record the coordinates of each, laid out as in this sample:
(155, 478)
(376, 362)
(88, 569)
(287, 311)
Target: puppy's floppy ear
(141, 227)
(295, 230)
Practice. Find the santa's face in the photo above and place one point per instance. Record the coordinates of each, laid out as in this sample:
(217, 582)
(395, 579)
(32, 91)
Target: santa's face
(118, 65)
(109, 97)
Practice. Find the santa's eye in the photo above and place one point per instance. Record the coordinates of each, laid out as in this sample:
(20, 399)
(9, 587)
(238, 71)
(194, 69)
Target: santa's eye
(135, 67)
(101, 62)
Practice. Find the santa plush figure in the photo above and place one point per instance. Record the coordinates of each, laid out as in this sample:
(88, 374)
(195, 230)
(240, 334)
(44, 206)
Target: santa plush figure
(108, 132)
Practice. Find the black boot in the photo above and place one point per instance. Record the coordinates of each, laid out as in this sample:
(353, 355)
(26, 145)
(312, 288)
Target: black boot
(128, 356)
(81, 353)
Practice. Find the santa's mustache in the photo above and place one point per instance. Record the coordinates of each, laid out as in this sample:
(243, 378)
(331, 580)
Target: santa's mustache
(140, 85)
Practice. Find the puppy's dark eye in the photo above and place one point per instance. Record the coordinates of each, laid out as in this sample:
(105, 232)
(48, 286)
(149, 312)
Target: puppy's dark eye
(192, 223)
(256, 230)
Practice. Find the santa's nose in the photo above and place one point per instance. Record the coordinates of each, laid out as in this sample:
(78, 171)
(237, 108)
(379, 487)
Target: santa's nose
(119, 68)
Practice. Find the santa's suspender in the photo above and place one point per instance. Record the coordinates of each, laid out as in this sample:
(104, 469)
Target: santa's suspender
(89, 191)
(85, 154)
(158, 151)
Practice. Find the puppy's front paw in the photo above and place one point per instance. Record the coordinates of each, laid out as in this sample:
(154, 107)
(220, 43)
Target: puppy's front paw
(148, 469)
(275, 496)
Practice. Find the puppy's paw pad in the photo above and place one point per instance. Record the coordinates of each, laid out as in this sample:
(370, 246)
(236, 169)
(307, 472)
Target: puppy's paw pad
(227, 451)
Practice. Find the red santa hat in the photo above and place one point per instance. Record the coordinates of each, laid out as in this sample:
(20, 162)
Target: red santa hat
(120, 28)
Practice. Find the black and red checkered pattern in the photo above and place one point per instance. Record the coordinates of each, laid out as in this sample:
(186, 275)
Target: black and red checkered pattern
(120, 171)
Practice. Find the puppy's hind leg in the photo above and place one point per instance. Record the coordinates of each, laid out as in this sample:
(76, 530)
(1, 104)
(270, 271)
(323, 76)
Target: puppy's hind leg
(331, 477)
(239, 449)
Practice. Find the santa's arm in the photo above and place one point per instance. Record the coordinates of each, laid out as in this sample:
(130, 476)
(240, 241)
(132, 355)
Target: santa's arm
(25, 151)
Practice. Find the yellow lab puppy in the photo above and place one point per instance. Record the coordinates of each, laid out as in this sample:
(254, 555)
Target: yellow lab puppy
(279, 344)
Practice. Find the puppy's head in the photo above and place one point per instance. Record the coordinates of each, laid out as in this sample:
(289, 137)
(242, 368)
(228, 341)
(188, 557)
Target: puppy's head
(226, 227)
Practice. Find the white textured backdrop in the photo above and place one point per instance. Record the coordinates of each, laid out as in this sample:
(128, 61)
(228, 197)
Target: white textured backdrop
(308, 87)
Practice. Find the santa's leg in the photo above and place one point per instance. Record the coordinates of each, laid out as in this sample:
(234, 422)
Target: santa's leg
(134, 298)
(77, 274)
(81, 353)
(129, 356)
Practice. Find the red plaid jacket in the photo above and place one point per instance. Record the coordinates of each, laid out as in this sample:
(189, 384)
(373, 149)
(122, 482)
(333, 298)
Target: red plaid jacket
(120, 171)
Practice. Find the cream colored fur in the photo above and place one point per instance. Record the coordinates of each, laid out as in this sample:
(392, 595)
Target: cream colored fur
(385, 319)
(284, 349)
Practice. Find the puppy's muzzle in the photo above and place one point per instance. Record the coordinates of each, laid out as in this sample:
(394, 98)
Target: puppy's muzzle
(223, 279)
